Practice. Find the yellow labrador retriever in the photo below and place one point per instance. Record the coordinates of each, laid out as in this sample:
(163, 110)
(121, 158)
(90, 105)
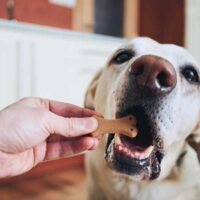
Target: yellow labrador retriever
(159, 84)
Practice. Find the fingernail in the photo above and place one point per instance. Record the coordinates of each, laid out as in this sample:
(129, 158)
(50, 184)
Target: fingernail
(99, 114)
(95, 144)
(90, 124)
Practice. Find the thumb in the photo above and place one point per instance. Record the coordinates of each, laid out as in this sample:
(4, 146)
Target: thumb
(71, 127)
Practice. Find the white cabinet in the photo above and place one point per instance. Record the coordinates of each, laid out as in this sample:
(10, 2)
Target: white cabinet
(192, 27)
(50, 63)
(8, 70)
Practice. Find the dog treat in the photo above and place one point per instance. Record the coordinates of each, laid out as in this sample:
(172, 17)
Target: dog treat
(125, 125)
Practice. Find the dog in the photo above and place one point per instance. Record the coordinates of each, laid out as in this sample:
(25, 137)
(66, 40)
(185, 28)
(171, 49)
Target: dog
(159, 84)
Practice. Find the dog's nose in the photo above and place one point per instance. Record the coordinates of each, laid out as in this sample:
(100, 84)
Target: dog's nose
(154, 73)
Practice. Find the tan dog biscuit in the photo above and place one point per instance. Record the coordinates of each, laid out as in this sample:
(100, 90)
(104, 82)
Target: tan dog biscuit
(125, 125)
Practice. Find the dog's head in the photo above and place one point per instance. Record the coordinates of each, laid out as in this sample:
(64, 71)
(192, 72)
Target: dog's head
(158, 84)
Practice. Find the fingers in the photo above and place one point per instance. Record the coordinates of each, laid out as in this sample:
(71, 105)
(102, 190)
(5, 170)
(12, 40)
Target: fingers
(63, 149)
(68, 110)
(15, 164)
(70, 127)
(59, 108)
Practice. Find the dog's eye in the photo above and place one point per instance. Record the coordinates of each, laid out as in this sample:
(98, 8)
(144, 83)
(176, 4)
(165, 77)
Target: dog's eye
(123, 57)
(190, 74)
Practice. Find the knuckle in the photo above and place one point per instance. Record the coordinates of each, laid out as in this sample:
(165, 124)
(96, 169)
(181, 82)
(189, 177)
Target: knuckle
(25, 99)
(30, 100)
(71, 127)
(36, 101)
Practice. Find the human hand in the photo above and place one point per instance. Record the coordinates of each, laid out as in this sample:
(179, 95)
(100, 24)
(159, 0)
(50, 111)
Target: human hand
(33, 130)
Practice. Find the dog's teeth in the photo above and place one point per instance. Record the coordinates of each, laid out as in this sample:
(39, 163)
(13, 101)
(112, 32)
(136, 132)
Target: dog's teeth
(132, 155)
(117, 139)
(148, 151)
(137, 154)
(143, 156)
(119, 147)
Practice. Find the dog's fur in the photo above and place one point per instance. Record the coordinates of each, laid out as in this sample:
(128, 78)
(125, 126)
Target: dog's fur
(178, 122)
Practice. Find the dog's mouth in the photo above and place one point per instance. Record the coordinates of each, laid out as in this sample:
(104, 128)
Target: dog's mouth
(140, 156)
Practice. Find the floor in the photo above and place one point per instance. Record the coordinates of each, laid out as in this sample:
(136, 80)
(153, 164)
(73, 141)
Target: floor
(63, 184)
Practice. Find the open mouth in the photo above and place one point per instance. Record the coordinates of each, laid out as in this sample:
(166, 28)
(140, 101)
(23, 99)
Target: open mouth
(140, 156)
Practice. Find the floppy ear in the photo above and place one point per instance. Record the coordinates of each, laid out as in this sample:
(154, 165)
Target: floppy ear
(91, 91)
(195, 135)
(194, 140)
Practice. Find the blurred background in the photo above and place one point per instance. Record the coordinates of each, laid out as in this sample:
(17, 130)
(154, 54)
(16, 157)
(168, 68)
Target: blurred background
(52, 48)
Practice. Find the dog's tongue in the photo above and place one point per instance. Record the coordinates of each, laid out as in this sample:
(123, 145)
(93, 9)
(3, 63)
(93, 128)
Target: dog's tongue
(130, 144)
(127, 147)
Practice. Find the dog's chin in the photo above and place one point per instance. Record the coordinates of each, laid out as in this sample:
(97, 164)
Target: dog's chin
(141, 163)
(138, 157)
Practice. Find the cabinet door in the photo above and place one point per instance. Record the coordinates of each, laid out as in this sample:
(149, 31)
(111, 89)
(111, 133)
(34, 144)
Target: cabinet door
(63, 68)
(8, 72)
(49, 63)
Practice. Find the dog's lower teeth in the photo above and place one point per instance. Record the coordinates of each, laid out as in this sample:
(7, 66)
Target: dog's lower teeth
(117, 139)
(120, 147)
(134, 154)
(149, 150)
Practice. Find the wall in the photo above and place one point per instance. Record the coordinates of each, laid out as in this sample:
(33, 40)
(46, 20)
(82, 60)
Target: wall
(39, 12)
(162, 20)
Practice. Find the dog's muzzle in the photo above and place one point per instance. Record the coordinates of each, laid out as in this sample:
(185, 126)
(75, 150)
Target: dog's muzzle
(150, 80)
(140, 156)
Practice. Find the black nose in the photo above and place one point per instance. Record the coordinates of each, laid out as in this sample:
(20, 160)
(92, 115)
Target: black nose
(154, 73)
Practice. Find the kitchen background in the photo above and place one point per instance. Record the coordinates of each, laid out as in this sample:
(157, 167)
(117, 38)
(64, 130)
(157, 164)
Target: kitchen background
(52, 48)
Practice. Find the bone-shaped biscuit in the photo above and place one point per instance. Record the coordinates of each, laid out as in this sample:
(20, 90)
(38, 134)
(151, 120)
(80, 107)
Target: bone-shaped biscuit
(125, 125)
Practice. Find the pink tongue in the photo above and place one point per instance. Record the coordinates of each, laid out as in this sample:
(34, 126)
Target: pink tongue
(129, 144)
(136, 148)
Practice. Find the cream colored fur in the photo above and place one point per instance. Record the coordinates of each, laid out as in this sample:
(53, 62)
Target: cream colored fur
(176, 182)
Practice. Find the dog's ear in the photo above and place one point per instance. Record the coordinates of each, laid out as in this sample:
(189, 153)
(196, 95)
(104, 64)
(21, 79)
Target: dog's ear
(194, 140)
(195, 145)
(91, 91)
(195, 135)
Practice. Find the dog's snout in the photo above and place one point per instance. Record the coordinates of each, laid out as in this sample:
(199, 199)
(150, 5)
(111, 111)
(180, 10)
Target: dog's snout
(154, 73)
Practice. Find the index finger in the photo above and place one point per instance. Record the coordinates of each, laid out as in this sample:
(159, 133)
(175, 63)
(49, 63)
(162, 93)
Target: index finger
(69, 110)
